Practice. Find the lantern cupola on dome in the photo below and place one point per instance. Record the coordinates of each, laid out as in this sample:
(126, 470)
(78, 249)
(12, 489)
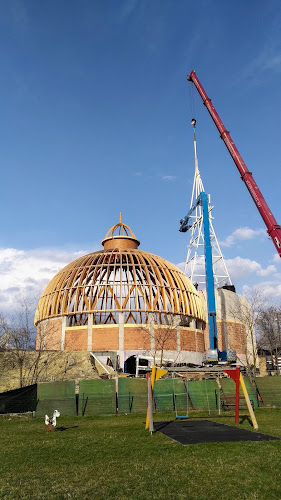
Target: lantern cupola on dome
(120, 236)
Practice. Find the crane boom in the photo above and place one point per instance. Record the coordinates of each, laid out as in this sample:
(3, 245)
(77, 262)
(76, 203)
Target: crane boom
(273, 229)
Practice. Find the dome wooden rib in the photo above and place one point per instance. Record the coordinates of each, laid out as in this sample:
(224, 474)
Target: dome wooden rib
(118, 280)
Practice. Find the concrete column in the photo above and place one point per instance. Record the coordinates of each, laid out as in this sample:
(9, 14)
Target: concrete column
(121, 359)
(151, 331)
(192, 323)
(89, 331)
(62, 339)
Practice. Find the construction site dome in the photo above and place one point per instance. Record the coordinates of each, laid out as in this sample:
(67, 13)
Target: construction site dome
(119, 278)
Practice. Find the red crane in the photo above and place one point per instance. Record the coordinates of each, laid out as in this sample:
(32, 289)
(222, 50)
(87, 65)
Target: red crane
(273, 229)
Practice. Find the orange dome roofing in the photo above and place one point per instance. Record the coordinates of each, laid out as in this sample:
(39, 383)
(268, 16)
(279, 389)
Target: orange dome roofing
(119, 279)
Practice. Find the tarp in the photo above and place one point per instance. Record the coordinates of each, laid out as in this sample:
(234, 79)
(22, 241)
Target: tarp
(19, 400)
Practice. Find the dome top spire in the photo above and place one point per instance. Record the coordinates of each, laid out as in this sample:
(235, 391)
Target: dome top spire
(120, 236)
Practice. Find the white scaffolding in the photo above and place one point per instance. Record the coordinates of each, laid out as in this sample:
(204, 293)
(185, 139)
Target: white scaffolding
(195, 260)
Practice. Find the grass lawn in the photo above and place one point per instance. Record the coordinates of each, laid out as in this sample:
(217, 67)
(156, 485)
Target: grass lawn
(114, 457)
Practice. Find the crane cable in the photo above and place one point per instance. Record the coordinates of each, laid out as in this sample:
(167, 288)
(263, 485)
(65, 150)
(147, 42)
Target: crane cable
(191, 101)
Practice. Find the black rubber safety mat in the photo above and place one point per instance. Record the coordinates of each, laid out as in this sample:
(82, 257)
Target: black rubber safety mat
(206, 431)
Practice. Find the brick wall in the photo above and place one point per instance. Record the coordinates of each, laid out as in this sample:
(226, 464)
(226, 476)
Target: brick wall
(236, 337)
(165, 338)
(206, 337)
(200, 341)
(40, 336)
(187, 340)
(136, 338)
(221, 339)
(75, 339)
(105, 339)
(49, 335)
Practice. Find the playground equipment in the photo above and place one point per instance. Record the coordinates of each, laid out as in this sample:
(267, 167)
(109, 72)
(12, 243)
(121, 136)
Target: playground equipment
(51, 422)
(234, 374)
(185, 416)
(273, 229)
(151, 377)
(238, 379)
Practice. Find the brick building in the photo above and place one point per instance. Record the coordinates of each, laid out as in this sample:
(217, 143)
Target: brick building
(124, 301)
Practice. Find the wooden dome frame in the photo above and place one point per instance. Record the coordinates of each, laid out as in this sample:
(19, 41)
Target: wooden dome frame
(120, 278)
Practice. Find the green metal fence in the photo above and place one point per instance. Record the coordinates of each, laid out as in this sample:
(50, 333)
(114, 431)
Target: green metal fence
(56, 396)
(270, 390)
(203, 394)
(170, 395)
(252, 392)
(129, 395)
(132, 396)
(97, 397)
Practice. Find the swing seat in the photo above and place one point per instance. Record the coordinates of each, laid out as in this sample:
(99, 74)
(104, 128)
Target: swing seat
(181, 417)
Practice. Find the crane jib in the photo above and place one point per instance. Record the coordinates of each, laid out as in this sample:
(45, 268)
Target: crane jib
(273, 229)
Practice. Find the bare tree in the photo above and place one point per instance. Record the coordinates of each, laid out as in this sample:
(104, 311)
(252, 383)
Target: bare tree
(4, 335)
(247, 313)
(23, 349)
(158, 338)
(19, 337)
(269, 332)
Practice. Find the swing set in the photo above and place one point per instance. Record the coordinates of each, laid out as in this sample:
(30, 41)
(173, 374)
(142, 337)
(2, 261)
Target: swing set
(181, 414)
(182, 396)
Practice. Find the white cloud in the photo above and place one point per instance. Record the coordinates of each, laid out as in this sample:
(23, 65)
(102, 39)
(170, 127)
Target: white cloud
(267, 271)
(276, 259)
(240, 268)
(248, 275)
(199, 270)
(181, 266)
(242, 234)
(271, 291)
(25, 273)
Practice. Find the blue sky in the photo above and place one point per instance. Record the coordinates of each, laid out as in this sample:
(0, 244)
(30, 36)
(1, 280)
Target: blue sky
(95, 119)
